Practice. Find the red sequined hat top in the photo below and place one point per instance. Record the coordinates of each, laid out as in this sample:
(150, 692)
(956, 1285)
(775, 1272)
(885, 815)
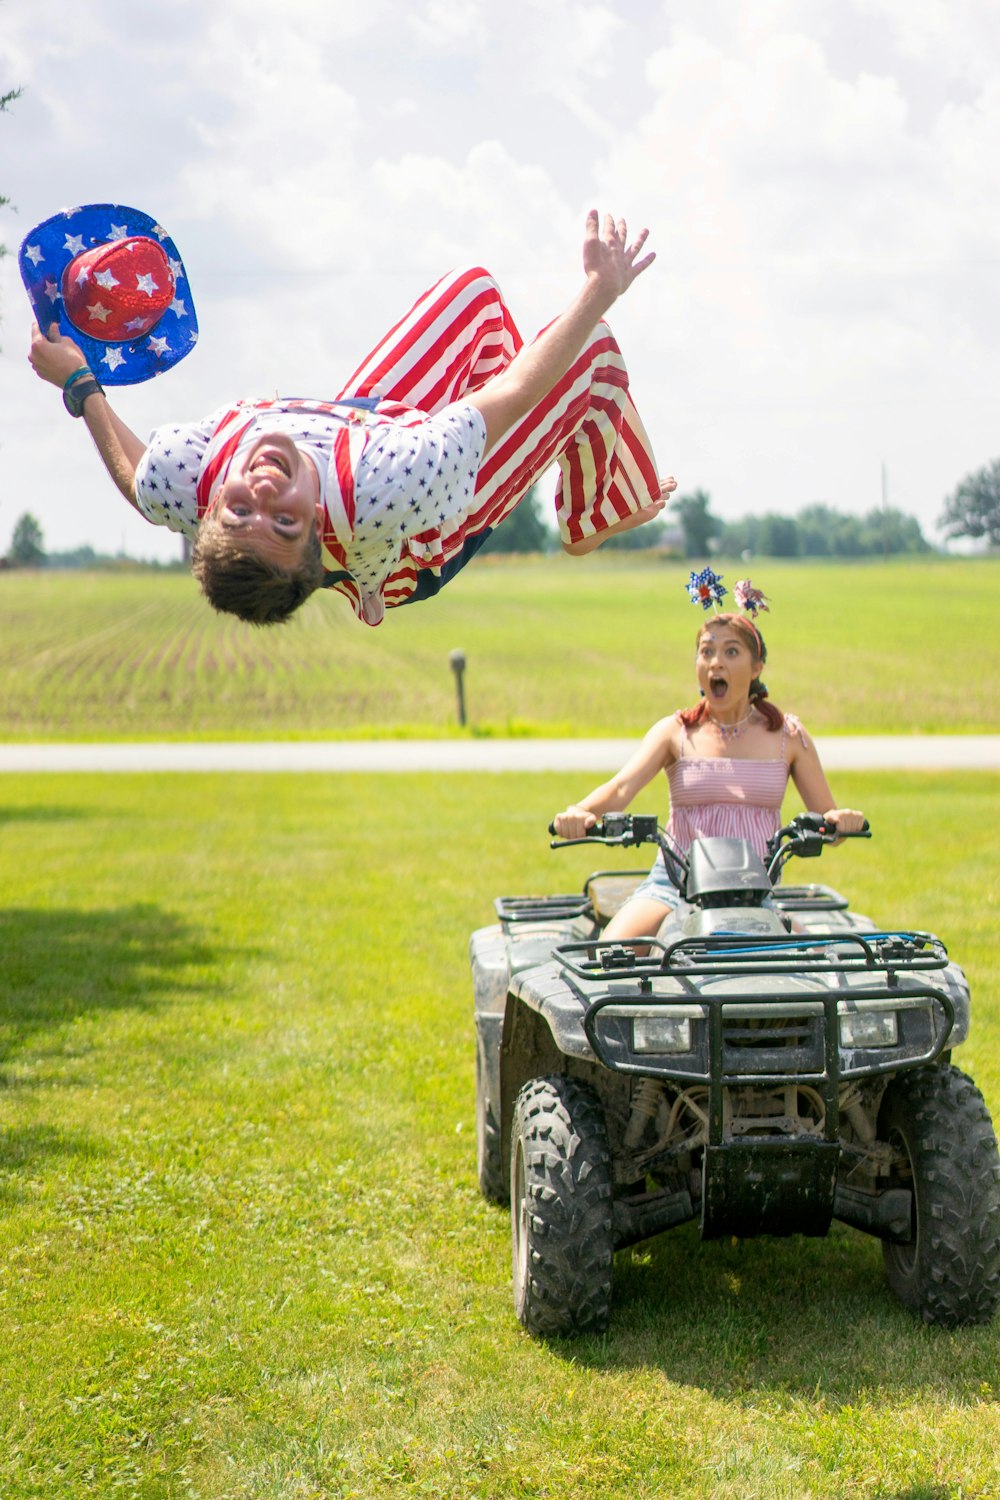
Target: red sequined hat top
(119, 290)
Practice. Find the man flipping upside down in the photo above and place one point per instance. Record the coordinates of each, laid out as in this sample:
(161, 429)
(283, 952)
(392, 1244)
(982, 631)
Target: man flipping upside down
(387, 490)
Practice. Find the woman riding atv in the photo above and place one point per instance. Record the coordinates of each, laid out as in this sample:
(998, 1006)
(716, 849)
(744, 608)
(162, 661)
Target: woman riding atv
(727, 759)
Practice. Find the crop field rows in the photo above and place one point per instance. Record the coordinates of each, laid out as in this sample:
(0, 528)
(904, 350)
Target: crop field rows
(554, 646)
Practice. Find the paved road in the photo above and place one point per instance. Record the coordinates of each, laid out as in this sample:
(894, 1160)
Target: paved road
(976, 752)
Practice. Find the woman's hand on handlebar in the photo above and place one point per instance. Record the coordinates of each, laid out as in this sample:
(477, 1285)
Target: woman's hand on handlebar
(845, 820)
(574, 823)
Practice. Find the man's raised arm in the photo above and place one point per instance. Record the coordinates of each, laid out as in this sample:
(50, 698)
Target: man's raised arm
(56, 359)
(610, 266)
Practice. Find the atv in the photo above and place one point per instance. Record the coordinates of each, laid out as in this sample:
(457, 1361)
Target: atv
(768, 1061)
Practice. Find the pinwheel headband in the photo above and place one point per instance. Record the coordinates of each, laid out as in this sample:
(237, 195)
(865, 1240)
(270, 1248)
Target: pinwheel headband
(705, 588)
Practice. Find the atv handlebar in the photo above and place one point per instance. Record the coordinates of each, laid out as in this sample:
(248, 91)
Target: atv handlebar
(629, 829)
(624, 829)
(815, 823)
(803, 836)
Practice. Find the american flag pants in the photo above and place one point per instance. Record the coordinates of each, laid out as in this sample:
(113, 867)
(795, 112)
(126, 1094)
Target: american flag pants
(455, 338)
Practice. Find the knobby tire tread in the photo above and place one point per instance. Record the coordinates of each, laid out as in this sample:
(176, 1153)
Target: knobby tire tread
(950, 1272)
(568, 1183)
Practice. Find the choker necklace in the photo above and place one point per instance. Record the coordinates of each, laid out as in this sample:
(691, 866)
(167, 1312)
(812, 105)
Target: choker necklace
(731, 731)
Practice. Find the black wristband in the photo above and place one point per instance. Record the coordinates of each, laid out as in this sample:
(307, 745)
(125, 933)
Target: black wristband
(76, 394)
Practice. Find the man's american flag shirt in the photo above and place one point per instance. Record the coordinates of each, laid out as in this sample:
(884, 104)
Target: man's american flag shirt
(396, 484)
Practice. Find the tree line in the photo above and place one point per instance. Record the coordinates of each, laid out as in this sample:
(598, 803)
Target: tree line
(814, 531)
(972, 511)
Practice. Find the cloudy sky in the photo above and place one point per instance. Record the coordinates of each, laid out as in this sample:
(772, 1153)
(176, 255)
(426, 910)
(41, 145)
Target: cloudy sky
(819, 178)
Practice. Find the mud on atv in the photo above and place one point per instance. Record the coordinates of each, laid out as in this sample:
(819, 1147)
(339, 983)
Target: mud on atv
(768, 1062)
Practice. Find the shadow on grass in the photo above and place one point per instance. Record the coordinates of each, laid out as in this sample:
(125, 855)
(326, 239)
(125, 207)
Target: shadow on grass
(58, 965)
(25, 1149)
(36, 813)
(799, 1318)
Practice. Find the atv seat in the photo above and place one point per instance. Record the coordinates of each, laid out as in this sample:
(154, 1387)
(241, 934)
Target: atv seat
(608, 890)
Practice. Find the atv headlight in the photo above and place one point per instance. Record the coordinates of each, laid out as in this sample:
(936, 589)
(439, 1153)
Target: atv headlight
(869, 1028)
(659, 1031)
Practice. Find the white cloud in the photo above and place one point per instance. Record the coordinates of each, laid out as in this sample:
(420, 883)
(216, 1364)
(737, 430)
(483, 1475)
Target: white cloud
(818, 180)
(455, 26)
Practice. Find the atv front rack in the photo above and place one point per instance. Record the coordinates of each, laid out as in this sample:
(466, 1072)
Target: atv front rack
(888, 953)
(745, 1035)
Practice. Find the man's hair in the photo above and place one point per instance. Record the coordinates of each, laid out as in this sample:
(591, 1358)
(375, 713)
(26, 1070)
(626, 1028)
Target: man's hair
(235, 580)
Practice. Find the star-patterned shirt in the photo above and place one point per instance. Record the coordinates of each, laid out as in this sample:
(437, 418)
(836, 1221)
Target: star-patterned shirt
(411, 483)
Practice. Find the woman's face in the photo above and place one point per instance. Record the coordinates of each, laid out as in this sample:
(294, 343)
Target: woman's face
(725, 666)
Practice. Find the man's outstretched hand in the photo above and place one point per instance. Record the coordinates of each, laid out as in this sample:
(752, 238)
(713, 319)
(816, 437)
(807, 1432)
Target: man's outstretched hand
(611, 265)
(609, 261)
(53, 356)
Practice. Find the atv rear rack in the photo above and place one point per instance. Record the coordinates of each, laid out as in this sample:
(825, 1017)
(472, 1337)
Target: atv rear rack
(808, 898)
(513, 909)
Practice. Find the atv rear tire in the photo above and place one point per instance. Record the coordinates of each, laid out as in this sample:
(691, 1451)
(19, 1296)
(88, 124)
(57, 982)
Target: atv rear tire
(949, 1269)
(560, 1201)
(493, 1180)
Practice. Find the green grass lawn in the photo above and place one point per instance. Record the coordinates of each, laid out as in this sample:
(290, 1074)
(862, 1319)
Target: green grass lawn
(243, 1253)
(602, 645)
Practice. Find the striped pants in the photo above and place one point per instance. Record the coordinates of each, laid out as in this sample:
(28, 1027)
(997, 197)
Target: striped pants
(458, 336)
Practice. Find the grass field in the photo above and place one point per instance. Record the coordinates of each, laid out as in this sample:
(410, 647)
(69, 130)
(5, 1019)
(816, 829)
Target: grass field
(585, 646)
(243, 1254)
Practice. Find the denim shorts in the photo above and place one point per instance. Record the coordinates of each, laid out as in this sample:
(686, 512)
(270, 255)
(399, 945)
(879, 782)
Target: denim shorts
(657, 886)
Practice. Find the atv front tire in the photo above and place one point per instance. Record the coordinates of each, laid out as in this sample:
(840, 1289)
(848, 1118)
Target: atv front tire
(948, 1270)
(560, 1203)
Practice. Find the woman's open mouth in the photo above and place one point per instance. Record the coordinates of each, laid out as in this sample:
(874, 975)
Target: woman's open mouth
(718, 687)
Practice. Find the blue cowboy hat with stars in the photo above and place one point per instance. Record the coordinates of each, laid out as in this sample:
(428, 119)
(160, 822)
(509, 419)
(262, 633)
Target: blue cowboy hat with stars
(112, 279)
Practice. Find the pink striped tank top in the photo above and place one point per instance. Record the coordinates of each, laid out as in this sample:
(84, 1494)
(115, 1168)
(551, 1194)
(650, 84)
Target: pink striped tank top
(719, 797)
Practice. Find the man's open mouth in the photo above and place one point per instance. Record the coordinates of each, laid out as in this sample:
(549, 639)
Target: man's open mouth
(270, 459)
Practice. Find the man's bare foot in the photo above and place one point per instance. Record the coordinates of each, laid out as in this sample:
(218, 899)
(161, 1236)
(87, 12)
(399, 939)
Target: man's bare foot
(627, 523)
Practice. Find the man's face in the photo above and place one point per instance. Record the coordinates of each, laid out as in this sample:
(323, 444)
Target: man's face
(271, 497)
